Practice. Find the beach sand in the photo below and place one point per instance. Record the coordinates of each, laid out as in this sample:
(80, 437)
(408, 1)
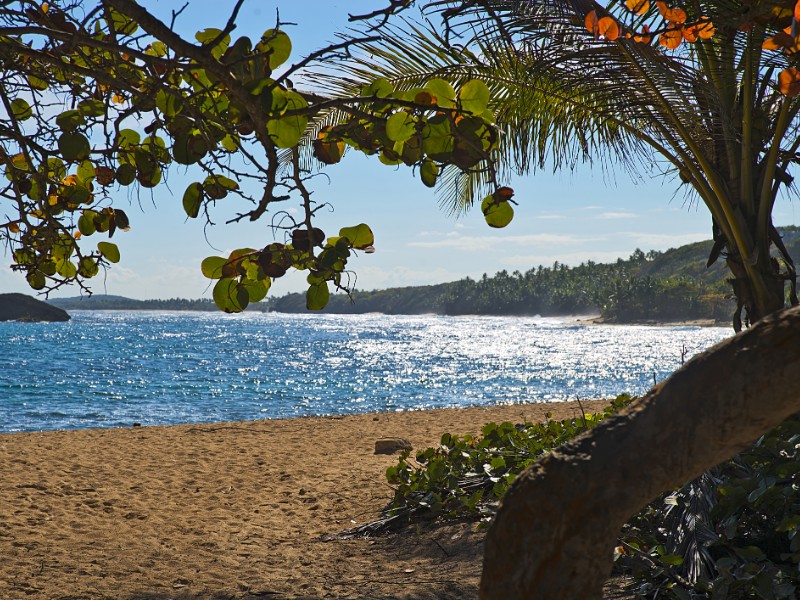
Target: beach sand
(230, 510)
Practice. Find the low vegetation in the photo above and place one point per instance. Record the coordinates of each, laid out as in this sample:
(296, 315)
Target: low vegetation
(733, 533)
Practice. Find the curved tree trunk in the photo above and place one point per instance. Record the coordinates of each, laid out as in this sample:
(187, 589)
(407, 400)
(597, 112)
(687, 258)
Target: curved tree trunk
(557, 525)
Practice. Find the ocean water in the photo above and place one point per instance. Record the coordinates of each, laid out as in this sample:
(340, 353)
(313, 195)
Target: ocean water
(112, 369)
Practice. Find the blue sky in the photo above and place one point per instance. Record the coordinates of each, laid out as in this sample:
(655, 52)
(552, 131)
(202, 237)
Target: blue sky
(569, 217)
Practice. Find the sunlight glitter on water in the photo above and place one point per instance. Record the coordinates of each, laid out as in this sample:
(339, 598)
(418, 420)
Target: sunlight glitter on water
(107, 369)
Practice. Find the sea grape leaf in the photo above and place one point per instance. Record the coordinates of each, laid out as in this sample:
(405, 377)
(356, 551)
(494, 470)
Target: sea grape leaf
(278, 45)
(317, 296)
(400, 126)
(207, 36)
(380, 88)
(87, 267)
(86, 222)
(212, 266)
(474, 96)
(126, 174)
(109, 250)
(256, 288)
(287, 131)
(74, 146)
(443, 92)
(498, 213)
(229, 296)
(69, 120)
(428, 172)
(193, 199)
(360, 236)
(21, 110)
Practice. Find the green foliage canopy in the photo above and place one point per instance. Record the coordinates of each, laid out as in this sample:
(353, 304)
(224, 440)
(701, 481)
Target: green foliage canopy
(103, 95)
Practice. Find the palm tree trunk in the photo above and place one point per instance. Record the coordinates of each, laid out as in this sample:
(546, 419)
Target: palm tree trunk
(755, 302)
(557, 524)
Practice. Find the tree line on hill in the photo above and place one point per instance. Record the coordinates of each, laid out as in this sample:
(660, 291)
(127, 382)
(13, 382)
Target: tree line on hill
(674, 285)
(654, 286)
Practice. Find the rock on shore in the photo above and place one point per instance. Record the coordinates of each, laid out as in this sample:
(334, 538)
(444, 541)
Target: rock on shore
(19, 307)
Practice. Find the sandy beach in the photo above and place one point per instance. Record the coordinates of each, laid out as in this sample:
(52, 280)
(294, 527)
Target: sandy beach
(230, 510)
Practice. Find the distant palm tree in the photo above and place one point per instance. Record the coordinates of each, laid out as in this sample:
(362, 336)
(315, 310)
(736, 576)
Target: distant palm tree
(710, 112)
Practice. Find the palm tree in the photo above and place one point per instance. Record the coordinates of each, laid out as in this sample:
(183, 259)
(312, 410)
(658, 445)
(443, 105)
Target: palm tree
(710, 112)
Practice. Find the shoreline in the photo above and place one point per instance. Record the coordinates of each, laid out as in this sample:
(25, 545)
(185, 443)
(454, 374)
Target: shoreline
(582, 319)
(231, 509)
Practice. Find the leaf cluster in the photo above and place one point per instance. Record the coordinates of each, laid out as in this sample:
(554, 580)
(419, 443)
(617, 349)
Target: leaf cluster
(750, 538)
(465, 476)
(106, 96)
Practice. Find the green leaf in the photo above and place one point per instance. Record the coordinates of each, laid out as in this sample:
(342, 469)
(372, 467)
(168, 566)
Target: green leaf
(474, 96)
(673, 560)
(126, 174)
(69, 120)
(87, 267)
(437, 138)
(109, 250)
(207, 36)
(36, 280)
(169, 104)
(497, 213)
(287, 131)
(193, 199)
(86, 223)
(128, 138)
(380, 88)
(400, 126)
(278, 45)
(66, 268)
(122, 24)
(74, 146)
(189, 148)
(212, 266)
(360, 236)
(428, 172)
(317, 296)
(218, 186)
(443, 92)
(256, 288)
(229, 296)
(85, 171)
(22, 111)
(37, 83)
(91, 107)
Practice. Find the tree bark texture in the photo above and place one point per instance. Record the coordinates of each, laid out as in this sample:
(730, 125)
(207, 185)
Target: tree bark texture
(559, 521)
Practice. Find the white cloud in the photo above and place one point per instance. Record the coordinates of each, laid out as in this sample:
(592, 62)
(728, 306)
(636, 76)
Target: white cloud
(456, 241)
(620, 214)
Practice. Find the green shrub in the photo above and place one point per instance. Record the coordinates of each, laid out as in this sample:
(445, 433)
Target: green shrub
(730, 534)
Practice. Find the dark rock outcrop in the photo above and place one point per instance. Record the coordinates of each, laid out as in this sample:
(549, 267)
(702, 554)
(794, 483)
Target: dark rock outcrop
(19, 307)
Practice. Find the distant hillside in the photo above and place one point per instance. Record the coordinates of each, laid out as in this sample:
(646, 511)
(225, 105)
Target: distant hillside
(108, 302)
(655, 286)
(658, 286)
(19, 307)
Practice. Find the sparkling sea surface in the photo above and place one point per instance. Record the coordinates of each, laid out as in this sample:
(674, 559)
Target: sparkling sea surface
(112, 369)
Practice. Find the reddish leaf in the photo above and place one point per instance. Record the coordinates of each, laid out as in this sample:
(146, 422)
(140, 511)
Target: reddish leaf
(644, 37)
(789, 82)
(638, 6)
(706, 29)
(671, 38)
(591, 23)
(673, 15)
(779, 41)
(608, 28)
